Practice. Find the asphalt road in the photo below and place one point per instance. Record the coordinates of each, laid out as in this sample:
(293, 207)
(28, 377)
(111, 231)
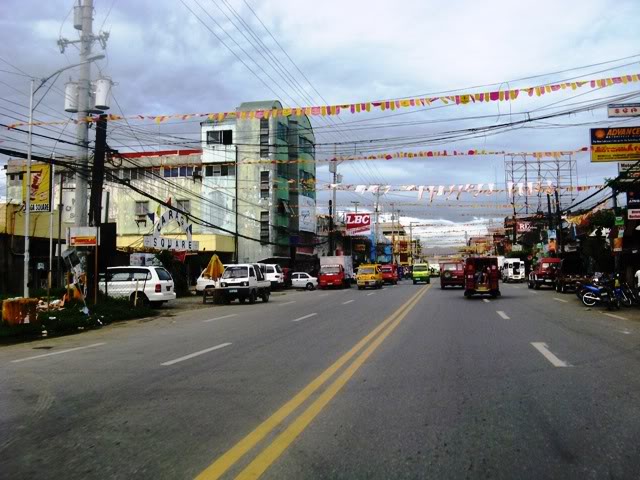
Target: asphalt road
(410, 381)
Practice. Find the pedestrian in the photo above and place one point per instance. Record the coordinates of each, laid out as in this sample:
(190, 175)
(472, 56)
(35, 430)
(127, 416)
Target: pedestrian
(637, 275)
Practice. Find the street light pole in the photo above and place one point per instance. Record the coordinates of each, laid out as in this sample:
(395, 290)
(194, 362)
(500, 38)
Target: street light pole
(27, 201)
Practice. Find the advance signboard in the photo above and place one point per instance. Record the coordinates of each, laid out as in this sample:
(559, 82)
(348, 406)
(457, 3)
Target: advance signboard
(358, 224)
(615, 144)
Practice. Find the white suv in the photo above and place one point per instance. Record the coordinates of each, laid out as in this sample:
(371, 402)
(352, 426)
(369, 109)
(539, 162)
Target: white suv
(154, 285)
(274, 274)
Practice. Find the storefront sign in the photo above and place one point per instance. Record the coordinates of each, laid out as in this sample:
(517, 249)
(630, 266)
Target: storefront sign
(619, 222)
(39, 188)
(84, 237)
(623, 110)
(307, 214)
(620, 144)
(164, 243)
(633, 214)
(524, 227)
(173, 244)
(358, 224)
(617, 244)
(633, 199)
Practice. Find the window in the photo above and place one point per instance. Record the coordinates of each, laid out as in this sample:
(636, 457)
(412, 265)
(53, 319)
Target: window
(220, 137)
(119, 275)
(264, 184)
(184, 205)
(235, 272)
(295, 276)
(252, 272)
(270, 269)
(264, 226)
(140, 274)
(142, 208)
(306, 146)
(183, 171)
(284, 208)
(282, 132)
(197, 171)
(208, 171)
(264, 137)
(163, 274)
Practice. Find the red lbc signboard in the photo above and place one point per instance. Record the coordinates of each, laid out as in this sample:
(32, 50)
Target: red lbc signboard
(358, 223)
(524, 227)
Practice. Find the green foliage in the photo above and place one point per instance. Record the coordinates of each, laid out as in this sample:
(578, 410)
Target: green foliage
(603, 219)
(178, 271)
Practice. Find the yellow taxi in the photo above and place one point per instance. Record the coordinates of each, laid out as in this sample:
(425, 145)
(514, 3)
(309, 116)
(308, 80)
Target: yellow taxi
(369, 275)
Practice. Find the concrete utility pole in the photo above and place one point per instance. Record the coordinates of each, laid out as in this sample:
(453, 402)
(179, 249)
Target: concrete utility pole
(355, 204)
(84, 99)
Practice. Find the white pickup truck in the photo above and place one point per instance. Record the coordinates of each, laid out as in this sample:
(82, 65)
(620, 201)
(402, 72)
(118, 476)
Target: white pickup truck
(244, 281)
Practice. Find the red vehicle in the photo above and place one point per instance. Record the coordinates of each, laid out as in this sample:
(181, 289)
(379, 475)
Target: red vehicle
(333, 276)
(481, 276)
(544, 273)
(452, 274)
(389, 273)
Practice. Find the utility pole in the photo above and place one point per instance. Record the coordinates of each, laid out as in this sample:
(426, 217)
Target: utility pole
(27, 199)
(559, 224)
(410, 243)
(356, 205)
(375, 232)
(84, 99)
(330, 227)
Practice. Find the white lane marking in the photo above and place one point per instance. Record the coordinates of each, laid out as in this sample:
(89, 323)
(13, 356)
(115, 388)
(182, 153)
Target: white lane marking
(544, 350)
(615, 316)
(369, 294)
(57, 353)
(323, 295)
(532, 291)
(287, 303)
(559, 300)
(503, 315)
(348, 301)
(305, 317)
(195, 354)
(486, 300)
(220, 318)
(626, 332)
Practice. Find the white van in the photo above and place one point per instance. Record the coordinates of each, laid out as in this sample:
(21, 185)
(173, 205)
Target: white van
(513, 270)
(244, 281)
(274, 274)
(150, 285)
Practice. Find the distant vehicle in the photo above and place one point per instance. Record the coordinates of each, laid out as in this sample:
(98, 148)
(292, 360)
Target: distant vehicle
(434, 269)
(369, 275)
(421, 272)
(335, 271)
(481, 276)
(154, 285)
(273, 273)
(389, 273)
(303, 280)
(513, 270)
(206, 282)
(544, 273)
(244, 281)
(452, 274)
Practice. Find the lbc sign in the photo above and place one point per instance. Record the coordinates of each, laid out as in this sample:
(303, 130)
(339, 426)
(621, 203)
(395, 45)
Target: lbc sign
(358, 223)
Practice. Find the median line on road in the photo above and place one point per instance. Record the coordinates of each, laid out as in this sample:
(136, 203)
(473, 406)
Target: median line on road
(370, 293)
(503, 315)
(240, 449)
(613, 315)
(546, 353)
(560, 300)
(220, 318)
(287, 303)
(75, 349)
(305, 317)
(347, 302)
(195, 354)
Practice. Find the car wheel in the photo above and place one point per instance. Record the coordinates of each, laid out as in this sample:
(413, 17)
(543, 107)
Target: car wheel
(265, 297)
(309, 286)
(360, 288)
(414, 282)
(441, 287)
(529, 284)
(536, 286)
(141, 300)
(252, 298)
(241, 299)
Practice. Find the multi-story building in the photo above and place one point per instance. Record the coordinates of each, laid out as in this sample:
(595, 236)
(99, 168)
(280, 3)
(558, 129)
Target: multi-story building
(275, 183)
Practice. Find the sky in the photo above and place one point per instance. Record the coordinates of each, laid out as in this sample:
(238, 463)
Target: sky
(163, 60)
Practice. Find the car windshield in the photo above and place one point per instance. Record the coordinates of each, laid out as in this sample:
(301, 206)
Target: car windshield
(420, 268)
(386, 268)
(330, 269)
(366, 270)
(452, 266)
(236, 272)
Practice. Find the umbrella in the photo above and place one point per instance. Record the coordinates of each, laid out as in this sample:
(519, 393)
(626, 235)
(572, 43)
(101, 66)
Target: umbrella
(215, 269)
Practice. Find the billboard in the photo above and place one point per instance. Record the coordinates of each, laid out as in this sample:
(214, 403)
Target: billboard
(39, 188)
(524, 227)
(623, 110)
(615, 144)
(358, 224)
(306, 214)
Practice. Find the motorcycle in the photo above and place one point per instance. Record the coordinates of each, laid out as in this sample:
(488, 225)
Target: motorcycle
(593, 294)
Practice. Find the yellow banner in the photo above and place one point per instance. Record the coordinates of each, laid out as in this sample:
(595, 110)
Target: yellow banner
(39, 188)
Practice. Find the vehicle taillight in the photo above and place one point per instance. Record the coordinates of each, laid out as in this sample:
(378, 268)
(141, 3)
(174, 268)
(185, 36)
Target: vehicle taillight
(158, 288)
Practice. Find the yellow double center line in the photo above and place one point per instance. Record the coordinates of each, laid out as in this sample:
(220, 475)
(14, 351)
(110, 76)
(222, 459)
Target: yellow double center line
(260, 464)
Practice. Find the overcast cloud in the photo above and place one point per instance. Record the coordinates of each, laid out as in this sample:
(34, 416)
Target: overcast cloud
(165, 61)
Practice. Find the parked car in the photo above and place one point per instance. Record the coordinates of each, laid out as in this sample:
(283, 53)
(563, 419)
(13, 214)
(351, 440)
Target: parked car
(569, 275)
(451, 274)
(303, 280)
(244, 281)
(147, 285)
(274, 274)
(544, 273)
(369, 275)
(421, 272)
(481, 276)
(206, 282)
(513, 270)
(389, 273)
